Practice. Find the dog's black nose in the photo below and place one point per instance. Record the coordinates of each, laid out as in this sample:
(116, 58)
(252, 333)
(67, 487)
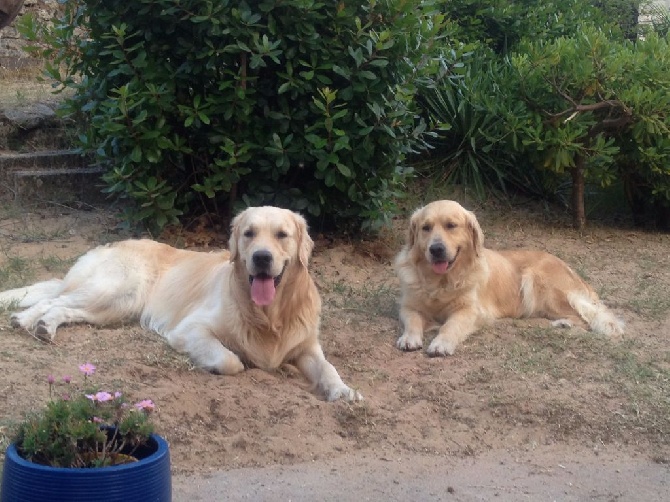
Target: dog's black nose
(438, 251)
(262, 259)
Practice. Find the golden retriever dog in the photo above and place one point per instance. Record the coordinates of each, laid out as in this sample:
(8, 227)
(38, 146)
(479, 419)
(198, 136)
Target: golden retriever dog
(255, 305)
(450, 281)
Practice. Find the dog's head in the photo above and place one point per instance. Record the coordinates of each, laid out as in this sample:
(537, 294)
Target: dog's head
(267, 242)
(444, 233)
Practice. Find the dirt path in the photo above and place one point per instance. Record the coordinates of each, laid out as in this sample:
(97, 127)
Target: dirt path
(546, 474)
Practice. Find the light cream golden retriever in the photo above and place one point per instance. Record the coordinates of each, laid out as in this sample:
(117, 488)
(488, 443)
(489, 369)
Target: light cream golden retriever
(450, 281)
(256, 304)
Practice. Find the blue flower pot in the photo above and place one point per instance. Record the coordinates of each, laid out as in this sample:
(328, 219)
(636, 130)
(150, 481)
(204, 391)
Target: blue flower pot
(148, 479)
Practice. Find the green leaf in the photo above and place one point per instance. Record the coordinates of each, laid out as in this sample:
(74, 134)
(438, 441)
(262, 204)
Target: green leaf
(284, 88)
(344, 170)
(136, 154)
(368, 74)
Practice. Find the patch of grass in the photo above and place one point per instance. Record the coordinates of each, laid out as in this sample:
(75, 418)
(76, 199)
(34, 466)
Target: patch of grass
(16, 271)
(7, 429)
(169, 359)
(479, 375)
(647, 387)
(425, 188)
(529, 359)
(651, 297)
(26, 230)
(35, 233)
(55, 264)
(370, 299)
(356, 421)
(548, 350)
(25, 85)
(581, 272)
(600, 367)
(629, 367)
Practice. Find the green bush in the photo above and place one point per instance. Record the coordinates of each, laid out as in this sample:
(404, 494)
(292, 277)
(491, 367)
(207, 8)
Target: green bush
(474, 146)
(566, 95)
(475, 116)
(597, 108)
(208, 105)
(501, 24)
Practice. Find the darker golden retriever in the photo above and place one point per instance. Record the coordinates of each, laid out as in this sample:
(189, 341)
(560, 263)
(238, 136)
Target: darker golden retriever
(256, 304)
(450, 281)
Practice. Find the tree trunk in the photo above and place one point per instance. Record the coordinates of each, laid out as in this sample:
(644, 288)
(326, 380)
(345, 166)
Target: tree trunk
(578, 211)
(8, 11)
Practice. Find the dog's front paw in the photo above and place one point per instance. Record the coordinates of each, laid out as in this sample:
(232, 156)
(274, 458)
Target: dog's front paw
(14, 321)
(343, 392)
(409, 341)
(440, 347)
(44, 332)
(19, 320)
(230, 365)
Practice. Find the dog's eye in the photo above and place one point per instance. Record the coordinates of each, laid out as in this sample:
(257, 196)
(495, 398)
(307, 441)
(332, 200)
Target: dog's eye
(450, 225)
(249, 234)
(427, 227)
(282, 235)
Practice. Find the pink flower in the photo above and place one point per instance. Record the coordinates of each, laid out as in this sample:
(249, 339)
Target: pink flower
(67, 379)
(145, 405)
(87, 369)
(103, 396)
(117, 395)
(100, 397)
(66, 397)
(98, 420)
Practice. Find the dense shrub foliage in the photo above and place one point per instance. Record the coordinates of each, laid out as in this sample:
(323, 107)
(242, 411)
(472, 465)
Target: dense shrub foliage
(209, 104)
(597, 108)
(501, 24)
(313, 105)
(584, 101)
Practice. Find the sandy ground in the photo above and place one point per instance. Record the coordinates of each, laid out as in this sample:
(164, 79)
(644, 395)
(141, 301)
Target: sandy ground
(522, 411)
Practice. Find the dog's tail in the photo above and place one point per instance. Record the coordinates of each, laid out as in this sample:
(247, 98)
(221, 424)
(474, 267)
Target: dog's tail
(599, 318)
(30, 295)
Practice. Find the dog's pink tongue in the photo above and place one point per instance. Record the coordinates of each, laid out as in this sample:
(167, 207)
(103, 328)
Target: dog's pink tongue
(440, 267)
(263, 290)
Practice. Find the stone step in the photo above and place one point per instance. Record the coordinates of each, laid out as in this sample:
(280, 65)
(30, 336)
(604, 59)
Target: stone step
(33, 126)
(47, 159)
(61, 176)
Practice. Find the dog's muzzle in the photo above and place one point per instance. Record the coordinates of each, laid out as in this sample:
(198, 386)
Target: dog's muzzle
(263, 284)
(439, 258)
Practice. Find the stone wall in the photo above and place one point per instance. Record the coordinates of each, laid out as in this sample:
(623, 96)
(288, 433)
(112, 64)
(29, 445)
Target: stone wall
(11, 52)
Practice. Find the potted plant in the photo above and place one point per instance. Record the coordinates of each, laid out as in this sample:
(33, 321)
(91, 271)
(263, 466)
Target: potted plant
(87, 444)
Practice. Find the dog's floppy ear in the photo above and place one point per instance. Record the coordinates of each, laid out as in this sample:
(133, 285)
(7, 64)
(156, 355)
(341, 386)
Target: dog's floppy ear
(476, 230)
(305, 242)
(413, 226)
(235, 236)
